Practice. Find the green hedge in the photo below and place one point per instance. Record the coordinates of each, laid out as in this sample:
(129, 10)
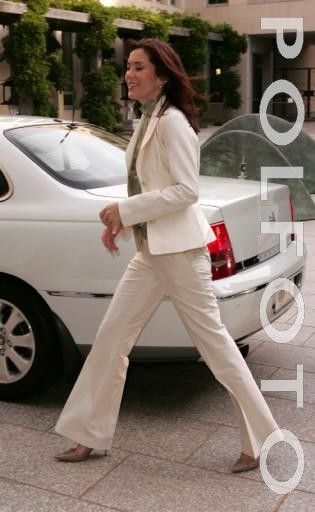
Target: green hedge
(38, 70)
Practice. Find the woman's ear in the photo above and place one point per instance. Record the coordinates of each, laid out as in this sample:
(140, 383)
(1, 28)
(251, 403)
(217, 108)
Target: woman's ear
(163, 80)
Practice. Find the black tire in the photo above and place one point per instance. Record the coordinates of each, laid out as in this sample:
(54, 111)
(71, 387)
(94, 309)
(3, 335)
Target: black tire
(23, 313)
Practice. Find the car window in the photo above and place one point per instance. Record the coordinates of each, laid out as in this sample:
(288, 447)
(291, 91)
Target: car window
(5, 187)
(80, 156)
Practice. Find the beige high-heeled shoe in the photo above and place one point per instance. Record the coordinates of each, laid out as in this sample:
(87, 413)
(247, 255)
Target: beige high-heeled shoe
(245, 463)
(77, 454)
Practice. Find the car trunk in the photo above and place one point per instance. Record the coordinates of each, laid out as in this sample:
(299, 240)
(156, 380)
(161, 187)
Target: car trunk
(242, 210)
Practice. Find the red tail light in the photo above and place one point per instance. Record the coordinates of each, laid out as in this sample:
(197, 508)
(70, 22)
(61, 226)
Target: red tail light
(292, 218)
(222, 257)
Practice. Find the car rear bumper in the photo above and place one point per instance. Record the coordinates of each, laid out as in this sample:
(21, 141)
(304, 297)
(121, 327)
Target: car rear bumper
(240, 306)
(235, 308)
(238, 296)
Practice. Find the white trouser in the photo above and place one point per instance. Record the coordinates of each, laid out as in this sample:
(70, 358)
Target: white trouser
(91, 412)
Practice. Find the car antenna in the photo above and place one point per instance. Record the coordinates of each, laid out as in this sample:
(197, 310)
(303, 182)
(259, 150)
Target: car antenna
(71, 125)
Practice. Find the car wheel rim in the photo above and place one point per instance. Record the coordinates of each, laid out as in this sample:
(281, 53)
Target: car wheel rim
(17, 343)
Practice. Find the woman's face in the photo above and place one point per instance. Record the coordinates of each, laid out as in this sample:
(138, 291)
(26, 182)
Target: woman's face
(142, 81)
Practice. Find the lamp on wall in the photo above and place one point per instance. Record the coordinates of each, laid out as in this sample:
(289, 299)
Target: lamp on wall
(218, 71)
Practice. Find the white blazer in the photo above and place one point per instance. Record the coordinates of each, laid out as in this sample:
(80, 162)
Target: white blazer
(168, 168)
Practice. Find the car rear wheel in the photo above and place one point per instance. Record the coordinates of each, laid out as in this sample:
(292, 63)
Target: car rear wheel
(28, 344)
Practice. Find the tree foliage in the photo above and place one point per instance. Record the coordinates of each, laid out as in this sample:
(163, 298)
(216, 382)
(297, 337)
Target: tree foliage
(97, 103)
(38, 70)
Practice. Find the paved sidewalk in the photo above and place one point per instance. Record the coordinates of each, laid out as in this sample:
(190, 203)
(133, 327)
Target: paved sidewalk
(176, 439)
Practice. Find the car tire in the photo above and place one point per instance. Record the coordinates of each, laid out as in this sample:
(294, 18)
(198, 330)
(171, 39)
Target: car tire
(29, 349)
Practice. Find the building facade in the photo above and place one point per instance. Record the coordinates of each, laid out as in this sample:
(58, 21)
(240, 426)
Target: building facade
(68, 102)
(259, 67)
(263, 63)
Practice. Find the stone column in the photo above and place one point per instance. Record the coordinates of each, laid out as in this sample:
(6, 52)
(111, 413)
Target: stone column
(246, 73)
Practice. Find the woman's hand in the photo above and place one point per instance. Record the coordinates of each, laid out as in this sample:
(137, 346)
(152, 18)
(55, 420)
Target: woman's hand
(108, 240)
(111, 218)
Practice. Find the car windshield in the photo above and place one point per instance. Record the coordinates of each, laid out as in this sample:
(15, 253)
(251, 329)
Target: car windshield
(78, 155)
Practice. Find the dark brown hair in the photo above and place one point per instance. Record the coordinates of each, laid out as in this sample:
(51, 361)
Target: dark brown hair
(178, 89)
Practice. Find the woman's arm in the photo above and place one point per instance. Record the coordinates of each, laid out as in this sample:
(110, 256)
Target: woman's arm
(180, 148)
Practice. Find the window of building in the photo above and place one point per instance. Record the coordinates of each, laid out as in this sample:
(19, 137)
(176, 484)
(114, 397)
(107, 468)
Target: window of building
(258, 69)
(218, 2)
(5, 189)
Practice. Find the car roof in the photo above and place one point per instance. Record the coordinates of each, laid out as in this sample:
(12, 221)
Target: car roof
(20, 121)
(7, 122)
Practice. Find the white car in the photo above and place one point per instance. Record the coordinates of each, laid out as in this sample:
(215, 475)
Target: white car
(57, 279)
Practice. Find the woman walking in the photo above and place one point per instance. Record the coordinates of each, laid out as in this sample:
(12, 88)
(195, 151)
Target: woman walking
(171, 235)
